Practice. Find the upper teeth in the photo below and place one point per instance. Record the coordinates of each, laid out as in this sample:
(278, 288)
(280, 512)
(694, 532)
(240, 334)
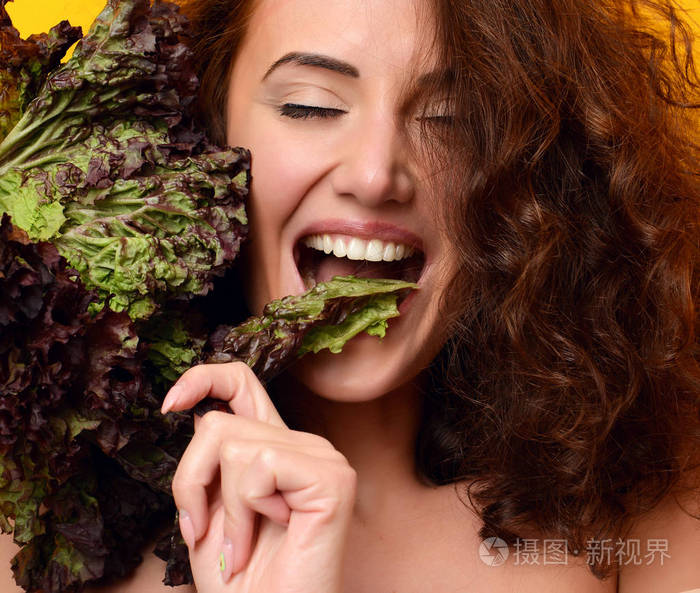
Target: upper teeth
(355, 248)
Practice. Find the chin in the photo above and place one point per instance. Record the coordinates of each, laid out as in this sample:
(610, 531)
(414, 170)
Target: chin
(365, 370)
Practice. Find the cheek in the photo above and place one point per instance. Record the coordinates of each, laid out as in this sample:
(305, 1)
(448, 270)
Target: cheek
(278, 183)
(283, 168)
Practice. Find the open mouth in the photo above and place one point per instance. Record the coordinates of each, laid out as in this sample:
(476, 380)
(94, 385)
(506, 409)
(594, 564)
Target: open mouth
(321, 257)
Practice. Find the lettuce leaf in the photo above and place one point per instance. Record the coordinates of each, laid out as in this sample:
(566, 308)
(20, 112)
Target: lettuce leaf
(24, 65)
(326, 316)
(108, 163)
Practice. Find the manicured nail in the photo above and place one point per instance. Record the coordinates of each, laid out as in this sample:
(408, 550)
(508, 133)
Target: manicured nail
(226, 560)
(187, 529)
(171, 399)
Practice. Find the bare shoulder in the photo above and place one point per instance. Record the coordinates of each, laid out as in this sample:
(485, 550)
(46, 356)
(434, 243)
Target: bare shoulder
(670, 534)
(147, 578)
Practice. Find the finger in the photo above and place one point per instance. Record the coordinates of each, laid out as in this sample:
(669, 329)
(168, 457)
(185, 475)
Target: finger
(277, 482)
(232, 382)
(197, 469)
(199, 466)
(239, 517)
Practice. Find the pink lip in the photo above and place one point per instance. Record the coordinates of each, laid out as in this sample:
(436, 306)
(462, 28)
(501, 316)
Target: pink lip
(364, 230)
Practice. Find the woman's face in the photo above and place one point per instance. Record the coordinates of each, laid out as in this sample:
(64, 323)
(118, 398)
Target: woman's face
(318, 94)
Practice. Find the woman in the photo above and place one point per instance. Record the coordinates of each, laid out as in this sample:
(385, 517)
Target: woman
(510, 146)
(531, 165)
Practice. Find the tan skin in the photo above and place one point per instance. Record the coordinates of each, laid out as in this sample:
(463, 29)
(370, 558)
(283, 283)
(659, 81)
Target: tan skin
(346, 513)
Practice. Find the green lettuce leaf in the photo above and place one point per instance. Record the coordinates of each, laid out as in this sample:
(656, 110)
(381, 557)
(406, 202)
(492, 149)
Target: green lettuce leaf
(372, 319)
(326, 316)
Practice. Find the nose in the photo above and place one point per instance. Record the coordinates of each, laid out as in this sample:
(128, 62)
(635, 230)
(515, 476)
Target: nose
(374, 165)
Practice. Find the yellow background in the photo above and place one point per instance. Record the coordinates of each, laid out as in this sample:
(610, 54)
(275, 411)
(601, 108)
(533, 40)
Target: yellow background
(37, 16)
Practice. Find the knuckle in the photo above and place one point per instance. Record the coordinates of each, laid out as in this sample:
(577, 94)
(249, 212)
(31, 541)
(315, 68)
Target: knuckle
(347, 476)
(344, 479)
(347, 488)
(245, 374)
(235, 374)
(211, 419)
(267, 456)
(337, 457)
(313, 439)
(241, 375)
(231, 452)
(239, 368)
(340, 493)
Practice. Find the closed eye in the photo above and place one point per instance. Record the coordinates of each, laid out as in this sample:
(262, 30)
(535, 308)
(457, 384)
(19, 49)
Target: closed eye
(296, 111)
(440, 112)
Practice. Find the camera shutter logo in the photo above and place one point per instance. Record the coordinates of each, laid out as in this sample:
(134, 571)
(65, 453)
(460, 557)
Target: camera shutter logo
(493, 551)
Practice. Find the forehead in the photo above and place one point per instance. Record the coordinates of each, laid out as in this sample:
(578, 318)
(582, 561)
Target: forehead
(382, 34)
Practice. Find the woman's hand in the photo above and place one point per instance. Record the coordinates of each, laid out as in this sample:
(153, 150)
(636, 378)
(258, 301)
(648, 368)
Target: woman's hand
(237, 466)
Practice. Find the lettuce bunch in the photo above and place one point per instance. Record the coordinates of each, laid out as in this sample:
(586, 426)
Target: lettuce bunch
(119, 227)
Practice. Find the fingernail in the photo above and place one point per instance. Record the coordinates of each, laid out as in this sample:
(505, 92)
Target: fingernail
(171, 399)
(226, 560)
(187, 529)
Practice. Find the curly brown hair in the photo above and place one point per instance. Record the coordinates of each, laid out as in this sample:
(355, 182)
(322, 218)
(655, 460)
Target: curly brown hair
(567, 395)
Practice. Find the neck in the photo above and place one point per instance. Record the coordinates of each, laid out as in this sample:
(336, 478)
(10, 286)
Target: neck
(377, 437)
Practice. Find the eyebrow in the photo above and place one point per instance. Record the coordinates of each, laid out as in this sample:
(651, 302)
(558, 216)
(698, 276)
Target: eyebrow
(317, 61)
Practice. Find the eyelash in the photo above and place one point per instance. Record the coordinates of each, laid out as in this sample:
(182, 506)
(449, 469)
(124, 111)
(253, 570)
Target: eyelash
(296, 111)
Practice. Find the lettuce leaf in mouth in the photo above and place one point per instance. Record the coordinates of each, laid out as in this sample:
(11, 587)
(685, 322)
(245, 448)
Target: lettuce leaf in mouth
(325, 316)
